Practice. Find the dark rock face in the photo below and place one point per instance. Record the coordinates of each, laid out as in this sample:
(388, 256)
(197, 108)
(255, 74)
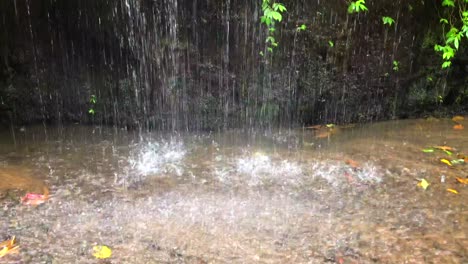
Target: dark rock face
(180, 64)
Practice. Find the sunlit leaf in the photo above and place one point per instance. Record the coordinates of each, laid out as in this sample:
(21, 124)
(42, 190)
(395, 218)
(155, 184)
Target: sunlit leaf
(448, 152)
(443, 20)
(423, 184)
(331, 44)
(458, 127)
(445, 161)
(330, 125)
(452, 191)
(428, 150)
(462, 181)
(102, 252)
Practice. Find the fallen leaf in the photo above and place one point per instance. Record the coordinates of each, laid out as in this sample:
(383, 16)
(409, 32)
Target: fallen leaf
(458, 127)
(452, 191)
(423, 184)
(445, 148)
(352, 163)
(458, 118)
(35, 198)
(462, 181)
(428, 150)
(8, 247)
(446, 162)
(102, 252)
(457, 161)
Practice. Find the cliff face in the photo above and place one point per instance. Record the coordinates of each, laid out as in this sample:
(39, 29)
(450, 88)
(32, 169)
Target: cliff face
(193, 64)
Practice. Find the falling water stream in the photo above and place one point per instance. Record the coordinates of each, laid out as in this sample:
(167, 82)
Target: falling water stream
(292, 196)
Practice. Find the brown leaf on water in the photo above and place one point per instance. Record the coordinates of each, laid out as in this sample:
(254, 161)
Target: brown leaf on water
(462, 181)
(445, 148)
(458, 127)
(352, 163)
(461, 156)
(458, 118)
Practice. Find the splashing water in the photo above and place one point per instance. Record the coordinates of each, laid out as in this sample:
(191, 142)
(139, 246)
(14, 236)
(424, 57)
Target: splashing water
(160, 157)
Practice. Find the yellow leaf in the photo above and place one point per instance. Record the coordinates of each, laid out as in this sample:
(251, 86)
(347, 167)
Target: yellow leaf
(423, 184)
(452, 191)
(463, 181)
(446, 162)
(102, 252)
(458, 118)
(8, 247)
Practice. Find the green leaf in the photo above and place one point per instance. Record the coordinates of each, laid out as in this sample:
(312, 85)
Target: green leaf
(91, 111)
(448, 3)
(428, 150)
(448, 152)
(261, 53)
(277, 16)
(388, 20)
(279, 7)
(331, 44)
(446, 64)
(270, 49)
(443, 20)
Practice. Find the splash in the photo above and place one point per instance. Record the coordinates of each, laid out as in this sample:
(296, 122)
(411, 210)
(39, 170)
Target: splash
(160, 157)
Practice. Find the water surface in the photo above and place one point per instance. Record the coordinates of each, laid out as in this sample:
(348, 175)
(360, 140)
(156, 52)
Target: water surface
(289, 196)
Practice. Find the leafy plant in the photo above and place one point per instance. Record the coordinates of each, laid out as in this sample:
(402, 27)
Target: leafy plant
(272, 12)
(357, 6)
(93, 101)
(396, 65)
(388, 21)
(331, 44)
(457, 19)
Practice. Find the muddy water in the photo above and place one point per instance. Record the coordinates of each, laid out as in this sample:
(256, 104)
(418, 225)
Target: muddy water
(280, 197)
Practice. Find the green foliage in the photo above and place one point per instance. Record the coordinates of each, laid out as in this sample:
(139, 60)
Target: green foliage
(357, 6)
(93, 101)
(388, 21)
(396, 65)
(331, 44)
(301, 28)
(272, 12)
(457, 18)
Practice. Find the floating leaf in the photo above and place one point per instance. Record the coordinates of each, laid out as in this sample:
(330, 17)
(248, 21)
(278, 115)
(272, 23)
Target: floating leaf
(462, 181)
(458, 127)
(458, 118)
(457, 161)
(102, 252)
(423, 184)
(352, 163)
(428, 150)
(445, 161)
(448, 152)
(8, 247)
(452, 191)
(445, 148)
(35, 199)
